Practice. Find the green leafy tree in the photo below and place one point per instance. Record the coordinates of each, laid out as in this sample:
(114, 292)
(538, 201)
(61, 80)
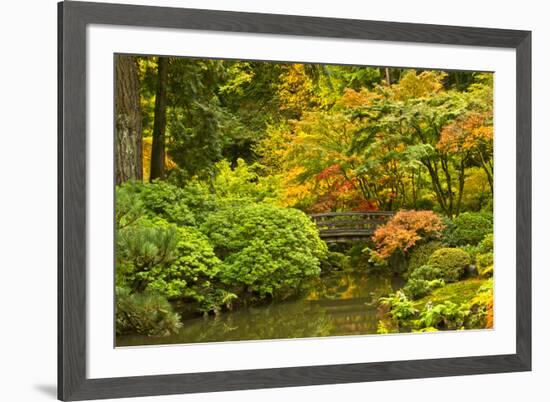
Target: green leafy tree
(419, 113)
(244, 182)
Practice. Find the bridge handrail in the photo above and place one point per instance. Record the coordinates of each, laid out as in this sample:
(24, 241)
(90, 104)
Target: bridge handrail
(349, 226)
(336, 214)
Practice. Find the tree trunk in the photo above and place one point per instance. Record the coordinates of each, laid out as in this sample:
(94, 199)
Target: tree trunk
(413, 189)
(159, 126)
(461, 180)
(128, 141)
(436, 185)
(450, 196)
(488, 169)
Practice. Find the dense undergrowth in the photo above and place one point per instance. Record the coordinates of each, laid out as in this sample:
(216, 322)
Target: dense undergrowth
(206, 253)
(190, 251)
(448, 287)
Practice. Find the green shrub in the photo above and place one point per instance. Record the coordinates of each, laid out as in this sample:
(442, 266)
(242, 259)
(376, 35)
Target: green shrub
(401, 308)
(482, 253)
(486, 245)
(447, 315)
(418, 288)
(481, 307)
(481, 312)
(484, 260)
(471, 250)
(469, 307)
(427, 273)
(192, 271)
(484, 256)
(199, 199)
(129, 207)
(421, 253)
(176, 262)
(141, 246)
(469, 228)
(266, 250)
(158, 199)
(145, 314)
(452, 262)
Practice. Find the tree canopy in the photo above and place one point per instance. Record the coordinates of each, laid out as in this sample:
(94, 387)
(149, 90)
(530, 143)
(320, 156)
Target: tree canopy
(335, 138)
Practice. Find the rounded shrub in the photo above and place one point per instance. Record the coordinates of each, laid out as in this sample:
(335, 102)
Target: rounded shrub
(418, 288)
(145, 314)
(265, 249)
(427, 272)
(420, 254)
(452, 262)
(469, 228)
(191, 273)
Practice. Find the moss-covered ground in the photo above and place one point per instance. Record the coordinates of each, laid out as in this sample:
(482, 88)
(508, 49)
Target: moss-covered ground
(457, 292)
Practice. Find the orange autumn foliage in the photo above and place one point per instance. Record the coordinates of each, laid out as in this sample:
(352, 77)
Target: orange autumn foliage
(404, 229)
(466, 133)
(331, 171)
(365, 206)
(355, 99)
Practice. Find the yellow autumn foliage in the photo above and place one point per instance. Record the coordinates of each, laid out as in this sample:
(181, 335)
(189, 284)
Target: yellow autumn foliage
(147, 146)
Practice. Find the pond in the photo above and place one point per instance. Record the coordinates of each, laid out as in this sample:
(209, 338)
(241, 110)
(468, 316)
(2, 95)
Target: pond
(343, 303)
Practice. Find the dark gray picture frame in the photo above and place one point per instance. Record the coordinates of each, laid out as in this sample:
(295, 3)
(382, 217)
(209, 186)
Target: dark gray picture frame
(73, 17)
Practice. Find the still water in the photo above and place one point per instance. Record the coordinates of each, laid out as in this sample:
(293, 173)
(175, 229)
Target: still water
(343, 303)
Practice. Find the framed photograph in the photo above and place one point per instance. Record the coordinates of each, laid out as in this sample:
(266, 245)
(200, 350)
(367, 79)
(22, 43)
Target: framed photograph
(257, 201)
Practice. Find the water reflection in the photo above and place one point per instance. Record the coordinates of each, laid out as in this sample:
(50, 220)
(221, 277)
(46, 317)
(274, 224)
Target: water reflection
(342, 303)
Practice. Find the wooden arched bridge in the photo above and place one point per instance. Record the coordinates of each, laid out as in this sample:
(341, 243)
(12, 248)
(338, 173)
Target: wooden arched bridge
(343, 227)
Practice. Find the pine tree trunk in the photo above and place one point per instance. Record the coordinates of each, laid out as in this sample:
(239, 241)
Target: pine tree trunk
(159, 125)
(128, 141)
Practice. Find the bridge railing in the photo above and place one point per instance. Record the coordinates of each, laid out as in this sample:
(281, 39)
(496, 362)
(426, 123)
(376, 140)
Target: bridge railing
(349, 226)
